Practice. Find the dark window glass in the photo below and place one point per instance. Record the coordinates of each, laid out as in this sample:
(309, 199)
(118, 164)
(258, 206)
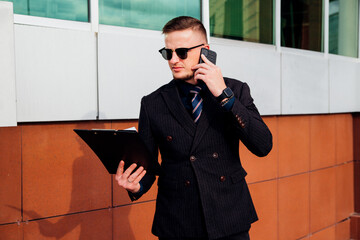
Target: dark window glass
(76, 10)
(301, 24)
(248, 20)
(145, 14)
(343, 27)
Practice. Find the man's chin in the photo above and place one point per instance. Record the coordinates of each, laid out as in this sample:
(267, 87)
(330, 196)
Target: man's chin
(185, 78)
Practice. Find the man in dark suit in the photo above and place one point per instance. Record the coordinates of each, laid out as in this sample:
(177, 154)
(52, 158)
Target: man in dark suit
(196, 121)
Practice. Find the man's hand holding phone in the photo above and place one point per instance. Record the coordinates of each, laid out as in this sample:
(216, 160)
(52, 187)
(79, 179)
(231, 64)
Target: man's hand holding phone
(210, 74)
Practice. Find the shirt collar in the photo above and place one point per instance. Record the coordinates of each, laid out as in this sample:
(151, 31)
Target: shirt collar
(185, 87)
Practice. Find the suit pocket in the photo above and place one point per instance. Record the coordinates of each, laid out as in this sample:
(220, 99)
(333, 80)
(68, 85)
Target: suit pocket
(238, 175)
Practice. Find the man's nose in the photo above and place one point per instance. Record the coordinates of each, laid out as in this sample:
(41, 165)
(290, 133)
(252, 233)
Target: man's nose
(174, 58)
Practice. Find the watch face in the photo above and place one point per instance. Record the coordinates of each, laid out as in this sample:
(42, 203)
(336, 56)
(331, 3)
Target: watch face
(228, 92)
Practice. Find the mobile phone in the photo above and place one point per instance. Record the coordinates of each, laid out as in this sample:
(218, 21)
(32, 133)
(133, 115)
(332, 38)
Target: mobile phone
(211, 55)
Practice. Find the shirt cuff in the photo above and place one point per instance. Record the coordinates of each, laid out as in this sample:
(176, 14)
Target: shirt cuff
(229, 104)
(140, 191)
(137, 195)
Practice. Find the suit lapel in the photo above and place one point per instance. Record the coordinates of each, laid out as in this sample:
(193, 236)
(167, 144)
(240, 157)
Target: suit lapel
(177, 109)
(207, 115)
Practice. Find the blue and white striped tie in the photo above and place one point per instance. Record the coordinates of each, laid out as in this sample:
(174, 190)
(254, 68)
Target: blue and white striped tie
(197, 103)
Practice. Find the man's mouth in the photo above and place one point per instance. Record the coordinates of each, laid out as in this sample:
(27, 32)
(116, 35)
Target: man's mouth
(177, 69)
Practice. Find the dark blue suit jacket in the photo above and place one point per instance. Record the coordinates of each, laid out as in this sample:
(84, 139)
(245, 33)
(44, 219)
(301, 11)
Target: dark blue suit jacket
(202, 190)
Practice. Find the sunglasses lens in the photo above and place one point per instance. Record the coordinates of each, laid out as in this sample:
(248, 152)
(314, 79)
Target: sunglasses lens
(181, 52)
(166, 53)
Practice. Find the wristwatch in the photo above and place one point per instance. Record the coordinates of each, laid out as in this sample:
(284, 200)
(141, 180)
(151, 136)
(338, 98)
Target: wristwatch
(226, 93)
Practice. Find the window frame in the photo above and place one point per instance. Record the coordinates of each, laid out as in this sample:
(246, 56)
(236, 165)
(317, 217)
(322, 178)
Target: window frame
(93, 24)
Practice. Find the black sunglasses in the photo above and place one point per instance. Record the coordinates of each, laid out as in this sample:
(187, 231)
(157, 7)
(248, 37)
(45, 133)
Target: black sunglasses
(180, 52)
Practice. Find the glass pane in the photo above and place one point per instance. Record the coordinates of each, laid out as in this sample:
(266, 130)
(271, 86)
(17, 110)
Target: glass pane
(145, 14)
(301, 24)
(343, 27)
(76, 10)
(248, 20)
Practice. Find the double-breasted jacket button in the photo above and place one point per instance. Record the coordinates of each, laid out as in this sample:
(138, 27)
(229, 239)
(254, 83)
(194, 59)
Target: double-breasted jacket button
(222, 178)
(187, 183)
(169, 138)
(192, 158)
(215, 155)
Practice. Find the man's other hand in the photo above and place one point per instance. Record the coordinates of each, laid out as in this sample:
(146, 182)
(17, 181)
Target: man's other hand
(129, 179)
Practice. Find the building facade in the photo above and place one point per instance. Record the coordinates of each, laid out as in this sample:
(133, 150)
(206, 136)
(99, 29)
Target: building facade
(86, 64)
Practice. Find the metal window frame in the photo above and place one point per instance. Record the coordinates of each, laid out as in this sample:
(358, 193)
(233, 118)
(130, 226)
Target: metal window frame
(205, 16)
(278, 25)
(358, 30)
(92, 25)
(325, 30)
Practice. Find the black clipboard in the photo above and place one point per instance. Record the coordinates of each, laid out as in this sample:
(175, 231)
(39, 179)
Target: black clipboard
(111, 146)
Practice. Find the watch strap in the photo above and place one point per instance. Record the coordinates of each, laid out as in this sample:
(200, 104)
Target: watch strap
(226, 93)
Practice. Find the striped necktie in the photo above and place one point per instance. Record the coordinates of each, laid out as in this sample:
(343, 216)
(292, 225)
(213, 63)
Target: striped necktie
(197, 103)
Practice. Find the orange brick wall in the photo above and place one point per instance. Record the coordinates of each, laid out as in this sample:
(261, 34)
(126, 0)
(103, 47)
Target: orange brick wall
(355, 219)
(53, 187)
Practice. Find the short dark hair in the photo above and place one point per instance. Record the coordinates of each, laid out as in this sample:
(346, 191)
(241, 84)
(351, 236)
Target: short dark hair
(183, 23)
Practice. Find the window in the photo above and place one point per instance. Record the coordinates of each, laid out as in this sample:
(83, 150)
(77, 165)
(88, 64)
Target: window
(301, 24)
(146, 14)
(248, 20)
(343, 27)
(76, 10)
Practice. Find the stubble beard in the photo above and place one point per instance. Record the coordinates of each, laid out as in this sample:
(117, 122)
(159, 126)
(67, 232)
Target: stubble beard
(186, 78)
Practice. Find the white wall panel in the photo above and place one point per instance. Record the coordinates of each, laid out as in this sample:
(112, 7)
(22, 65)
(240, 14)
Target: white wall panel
(256, 64)
(344, 75)
(7, 66)
(57, 77)
(130, 67)
(55, 73)
(305, 85)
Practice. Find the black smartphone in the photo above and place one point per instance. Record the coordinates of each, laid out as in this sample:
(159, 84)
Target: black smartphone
(211, 55)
